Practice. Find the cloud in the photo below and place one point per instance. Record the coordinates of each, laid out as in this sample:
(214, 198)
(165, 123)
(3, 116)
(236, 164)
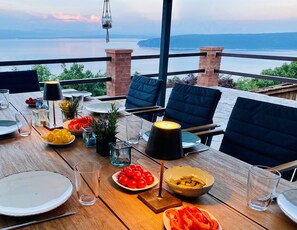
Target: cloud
(76, 18)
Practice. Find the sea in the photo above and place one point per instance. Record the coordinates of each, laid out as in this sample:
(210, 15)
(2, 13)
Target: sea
(34, 49)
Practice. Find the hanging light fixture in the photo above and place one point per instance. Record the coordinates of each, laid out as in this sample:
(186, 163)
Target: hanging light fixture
(106, 18)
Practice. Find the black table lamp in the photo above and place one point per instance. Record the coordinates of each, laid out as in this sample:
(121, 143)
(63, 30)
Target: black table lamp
(52, 92)
(164, 143)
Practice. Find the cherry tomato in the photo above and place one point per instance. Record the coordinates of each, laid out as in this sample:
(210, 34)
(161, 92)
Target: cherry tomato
(141, 183)
(128, 171)
(121, 174)
(132, 166)
(149, 179)
(136, 175)
(147, 173)
(132, 184)
(123, 180)
(139, 168)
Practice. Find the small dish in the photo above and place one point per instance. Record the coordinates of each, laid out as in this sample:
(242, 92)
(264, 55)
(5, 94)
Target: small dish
(104, 107)
(177, 172)
(287, 201)
(167, 223)
(75, 132)
(61, 144)
(188, 139)
(115, 179)
(33, 105)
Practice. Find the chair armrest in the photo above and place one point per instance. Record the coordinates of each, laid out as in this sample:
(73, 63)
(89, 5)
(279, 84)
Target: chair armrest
(201, 128)
(286, 166)
(149, 111)
(110, 98)
(142, 109)
(210, 133)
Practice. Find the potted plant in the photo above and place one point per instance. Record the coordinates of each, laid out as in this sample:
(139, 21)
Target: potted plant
(69, 108)
(105, 129)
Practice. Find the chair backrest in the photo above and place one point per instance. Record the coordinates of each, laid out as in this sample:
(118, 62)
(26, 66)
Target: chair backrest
(261, 133)
(143, 92)
(191, 105)
(19, 81)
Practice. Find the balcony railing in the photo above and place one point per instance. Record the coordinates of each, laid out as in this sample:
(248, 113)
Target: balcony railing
(145, 57)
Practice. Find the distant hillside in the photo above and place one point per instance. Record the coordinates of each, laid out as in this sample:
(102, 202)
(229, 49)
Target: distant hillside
(228, 41)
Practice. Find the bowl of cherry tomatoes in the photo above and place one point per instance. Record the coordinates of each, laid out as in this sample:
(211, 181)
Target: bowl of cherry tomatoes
(135, 178)
(31, 102)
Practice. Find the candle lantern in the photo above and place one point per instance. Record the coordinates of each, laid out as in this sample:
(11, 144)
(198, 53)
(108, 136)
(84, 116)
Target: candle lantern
(164, 143)
(106, 18)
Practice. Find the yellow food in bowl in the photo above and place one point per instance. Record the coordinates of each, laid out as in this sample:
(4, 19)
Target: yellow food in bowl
(173, 175)
(59, 136)
(188, 181)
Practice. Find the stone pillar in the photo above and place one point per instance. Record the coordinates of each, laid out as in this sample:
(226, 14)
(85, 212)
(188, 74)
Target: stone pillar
(210, 62)
(119, 69)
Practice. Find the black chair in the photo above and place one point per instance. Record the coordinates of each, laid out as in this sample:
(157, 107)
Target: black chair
(19, 81)
(192, 107)
(142, 95)
(262, 133)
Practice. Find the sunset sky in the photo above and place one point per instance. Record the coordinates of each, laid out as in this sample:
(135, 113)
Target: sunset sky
(144, 17)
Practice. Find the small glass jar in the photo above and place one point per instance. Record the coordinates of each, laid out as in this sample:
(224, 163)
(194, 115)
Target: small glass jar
(120, 153)
(89, 137)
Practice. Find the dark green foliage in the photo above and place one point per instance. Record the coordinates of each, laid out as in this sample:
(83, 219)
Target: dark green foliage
(227, 82)
(105, 127)
(76, 71)
(286, 70)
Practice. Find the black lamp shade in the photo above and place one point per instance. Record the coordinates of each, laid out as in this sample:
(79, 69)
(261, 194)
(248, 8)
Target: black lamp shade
(165, 142)
(52, 91)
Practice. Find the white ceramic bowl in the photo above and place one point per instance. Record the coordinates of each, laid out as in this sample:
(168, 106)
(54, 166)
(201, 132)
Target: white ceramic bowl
(178, 172)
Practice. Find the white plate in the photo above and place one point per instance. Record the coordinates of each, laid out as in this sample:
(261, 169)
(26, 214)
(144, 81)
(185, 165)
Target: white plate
(104, 107)
(188, 139)
(7, 126)
(167, 224)
(287, 201)
(74, 93)
(33, 192)
(61, 144)
(75, 132)
(115, 179)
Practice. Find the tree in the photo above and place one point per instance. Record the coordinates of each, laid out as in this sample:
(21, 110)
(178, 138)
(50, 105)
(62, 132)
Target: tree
(286, 70)
(76, 71)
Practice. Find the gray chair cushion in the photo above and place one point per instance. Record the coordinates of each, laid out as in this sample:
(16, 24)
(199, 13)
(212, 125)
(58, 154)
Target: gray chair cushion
(261, 133)
(192, 105)
(143, 92)
(20, 81)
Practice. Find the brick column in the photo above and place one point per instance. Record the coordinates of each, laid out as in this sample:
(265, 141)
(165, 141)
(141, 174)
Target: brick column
(119, 69)
(210, 62)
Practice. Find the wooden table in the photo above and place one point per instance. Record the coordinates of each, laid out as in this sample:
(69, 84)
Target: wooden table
(117, 208)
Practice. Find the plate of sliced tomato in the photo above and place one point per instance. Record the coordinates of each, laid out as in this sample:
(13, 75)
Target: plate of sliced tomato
(75, 125)
(190, 217)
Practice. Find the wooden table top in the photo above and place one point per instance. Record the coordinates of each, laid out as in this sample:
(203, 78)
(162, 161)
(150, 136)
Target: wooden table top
(117, 208)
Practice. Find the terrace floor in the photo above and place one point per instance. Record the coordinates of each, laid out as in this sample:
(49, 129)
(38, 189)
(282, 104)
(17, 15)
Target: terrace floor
(227, 102)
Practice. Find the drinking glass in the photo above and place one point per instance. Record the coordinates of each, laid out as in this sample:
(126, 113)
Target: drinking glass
(87, 180)
(120, 153)
(133, 129)
(24, 123)
(261, 185)
(4, 98)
